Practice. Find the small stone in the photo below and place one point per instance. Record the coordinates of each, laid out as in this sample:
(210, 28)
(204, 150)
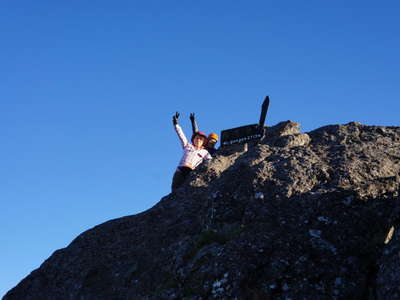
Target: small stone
(389, 235)
(215, 195)
(323, 219)
(259, 196)
(315, 233)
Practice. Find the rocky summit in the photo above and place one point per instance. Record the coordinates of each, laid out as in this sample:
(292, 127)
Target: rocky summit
(295, 216)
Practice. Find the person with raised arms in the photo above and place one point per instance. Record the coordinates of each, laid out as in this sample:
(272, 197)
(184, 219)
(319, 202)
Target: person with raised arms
(194, 153)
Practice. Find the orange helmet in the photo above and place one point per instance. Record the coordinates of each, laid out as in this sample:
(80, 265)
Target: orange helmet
(213, 136)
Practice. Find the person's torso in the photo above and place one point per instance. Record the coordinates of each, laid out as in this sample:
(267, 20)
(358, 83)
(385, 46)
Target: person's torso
(211, 150)
(192, 157)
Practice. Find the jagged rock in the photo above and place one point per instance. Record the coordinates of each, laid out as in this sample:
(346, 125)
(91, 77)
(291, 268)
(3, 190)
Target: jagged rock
(296, 216)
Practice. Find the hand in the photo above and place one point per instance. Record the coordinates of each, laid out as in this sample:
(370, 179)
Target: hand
(175, 118)
(192, 117)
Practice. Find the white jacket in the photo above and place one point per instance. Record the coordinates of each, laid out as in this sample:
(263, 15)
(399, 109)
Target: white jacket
(192, 157)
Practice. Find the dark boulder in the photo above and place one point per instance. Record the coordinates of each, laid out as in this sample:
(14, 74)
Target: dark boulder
(296, 216)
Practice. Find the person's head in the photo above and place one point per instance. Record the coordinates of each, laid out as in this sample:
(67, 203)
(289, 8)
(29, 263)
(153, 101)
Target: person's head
(199, 139)
(212, 139)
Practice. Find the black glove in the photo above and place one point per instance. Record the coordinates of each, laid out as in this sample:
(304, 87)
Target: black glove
(192, 117)
(175, 118)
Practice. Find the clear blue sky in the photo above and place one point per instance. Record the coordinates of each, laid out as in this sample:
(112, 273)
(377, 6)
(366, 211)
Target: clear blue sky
(88, 89)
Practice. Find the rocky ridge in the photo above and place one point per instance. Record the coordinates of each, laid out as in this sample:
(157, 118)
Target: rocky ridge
(297, 216)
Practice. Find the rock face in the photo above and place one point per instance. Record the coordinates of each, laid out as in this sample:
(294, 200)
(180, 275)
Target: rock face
(296, 216)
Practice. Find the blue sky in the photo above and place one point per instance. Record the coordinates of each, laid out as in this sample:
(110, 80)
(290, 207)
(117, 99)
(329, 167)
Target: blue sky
(87, 92)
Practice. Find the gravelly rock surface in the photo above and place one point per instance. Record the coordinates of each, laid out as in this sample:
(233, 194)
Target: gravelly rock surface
(297, 216)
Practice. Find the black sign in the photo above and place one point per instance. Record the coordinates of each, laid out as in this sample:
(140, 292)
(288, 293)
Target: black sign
(241, 134)
(246, 133)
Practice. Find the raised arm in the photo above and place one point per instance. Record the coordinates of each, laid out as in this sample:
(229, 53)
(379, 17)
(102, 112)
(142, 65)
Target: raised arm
(195, 128)
(179, 130)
